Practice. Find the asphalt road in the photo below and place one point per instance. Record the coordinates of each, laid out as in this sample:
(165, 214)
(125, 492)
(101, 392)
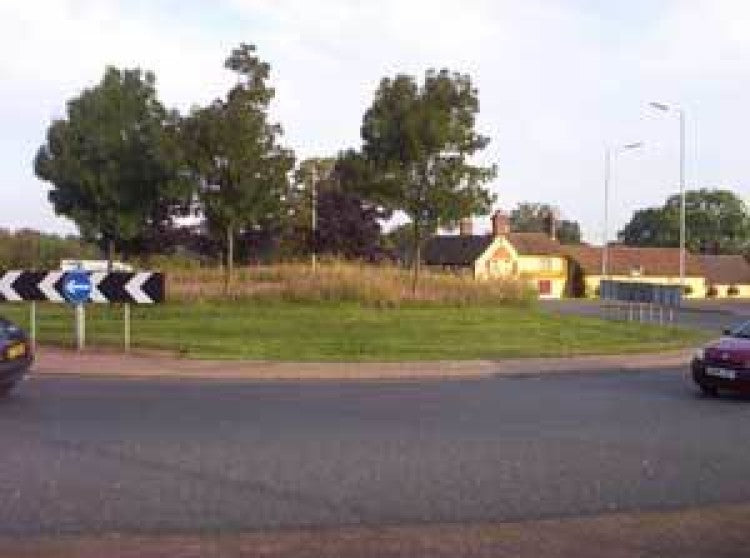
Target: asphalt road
(710, 315)
(93, 456)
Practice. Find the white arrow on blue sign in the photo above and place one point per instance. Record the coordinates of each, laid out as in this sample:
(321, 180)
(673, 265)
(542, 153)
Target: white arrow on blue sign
(77, 287)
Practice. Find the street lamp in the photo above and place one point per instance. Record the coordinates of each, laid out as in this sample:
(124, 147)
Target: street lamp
(608, 156)
(683, 228)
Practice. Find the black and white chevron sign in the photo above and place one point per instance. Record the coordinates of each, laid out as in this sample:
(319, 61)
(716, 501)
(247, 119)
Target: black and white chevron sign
(143, 287)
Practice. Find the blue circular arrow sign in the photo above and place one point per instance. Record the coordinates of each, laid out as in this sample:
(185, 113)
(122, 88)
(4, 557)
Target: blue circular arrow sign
(77, 287)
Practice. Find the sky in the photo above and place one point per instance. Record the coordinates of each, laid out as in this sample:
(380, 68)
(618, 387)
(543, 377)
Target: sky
(558, 82)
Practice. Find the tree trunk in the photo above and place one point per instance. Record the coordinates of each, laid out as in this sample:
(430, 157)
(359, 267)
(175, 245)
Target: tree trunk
(416, 257)
(229, 270)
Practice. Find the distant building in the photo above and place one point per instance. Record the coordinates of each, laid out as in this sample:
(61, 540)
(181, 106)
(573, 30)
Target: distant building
(630, 263)
(726, 276)
(94, 266)
(534, 257)
(556, 270)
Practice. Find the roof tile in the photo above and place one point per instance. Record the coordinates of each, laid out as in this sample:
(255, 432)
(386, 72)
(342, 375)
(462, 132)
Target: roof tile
(632, 260)
(726, 270)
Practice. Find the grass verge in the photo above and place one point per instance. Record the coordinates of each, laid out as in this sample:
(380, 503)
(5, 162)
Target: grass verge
(282, 331)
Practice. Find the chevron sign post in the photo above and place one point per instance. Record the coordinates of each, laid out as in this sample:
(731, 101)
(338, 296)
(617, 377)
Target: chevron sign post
(79, 288)
(50, 286)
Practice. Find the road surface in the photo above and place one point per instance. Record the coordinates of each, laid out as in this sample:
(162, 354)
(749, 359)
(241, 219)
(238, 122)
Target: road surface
(710, 315)
(87, 456)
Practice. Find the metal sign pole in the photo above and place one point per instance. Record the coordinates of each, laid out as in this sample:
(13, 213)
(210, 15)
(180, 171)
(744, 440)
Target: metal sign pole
(32, 325)
(126, 311)
(80, 326)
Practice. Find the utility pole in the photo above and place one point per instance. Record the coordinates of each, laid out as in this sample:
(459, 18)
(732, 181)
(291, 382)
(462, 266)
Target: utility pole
(314, 218)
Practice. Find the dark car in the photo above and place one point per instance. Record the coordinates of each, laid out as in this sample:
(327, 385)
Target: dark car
(724, 364)
(16, 355)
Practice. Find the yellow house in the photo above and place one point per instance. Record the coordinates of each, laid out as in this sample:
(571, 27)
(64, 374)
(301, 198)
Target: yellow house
(534, 257)
(726, 276)
(556, 270)
(627, 263)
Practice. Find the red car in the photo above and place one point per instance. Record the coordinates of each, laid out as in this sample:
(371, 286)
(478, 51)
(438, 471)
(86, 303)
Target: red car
(724, 364)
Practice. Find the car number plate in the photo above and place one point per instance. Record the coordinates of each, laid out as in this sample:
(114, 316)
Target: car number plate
(17, 351)
(721, 373)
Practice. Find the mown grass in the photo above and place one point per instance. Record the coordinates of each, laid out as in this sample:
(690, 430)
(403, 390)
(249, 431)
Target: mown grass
(283, 331)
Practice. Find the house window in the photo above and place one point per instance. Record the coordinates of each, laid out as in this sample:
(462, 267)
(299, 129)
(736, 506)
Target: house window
(545, 287)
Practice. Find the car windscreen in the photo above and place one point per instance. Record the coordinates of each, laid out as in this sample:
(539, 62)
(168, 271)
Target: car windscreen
(742, 331)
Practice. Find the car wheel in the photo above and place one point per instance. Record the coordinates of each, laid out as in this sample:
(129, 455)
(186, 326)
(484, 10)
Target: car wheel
(709, 391)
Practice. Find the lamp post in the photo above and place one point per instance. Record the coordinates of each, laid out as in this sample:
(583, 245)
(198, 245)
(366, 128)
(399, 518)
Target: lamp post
(683, 225)
(608, 156)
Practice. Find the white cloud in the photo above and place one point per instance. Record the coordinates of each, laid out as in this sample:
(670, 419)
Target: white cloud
(557, 80)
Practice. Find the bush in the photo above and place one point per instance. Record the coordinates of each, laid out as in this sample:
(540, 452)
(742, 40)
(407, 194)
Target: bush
(28, 249)
(159, 262)
(376, 285)
(712, 292)
(733, 291)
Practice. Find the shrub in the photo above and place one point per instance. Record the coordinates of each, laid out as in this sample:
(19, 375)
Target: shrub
(170, 263)
(733, 291)
(376, 285)
(712, 292)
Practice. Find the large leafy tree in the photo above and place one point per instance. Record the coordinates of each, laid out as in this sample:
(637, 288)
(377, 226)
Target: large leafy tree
(234, 153)
(419, 139)
(536, 217)
(110, 160)
(347, 225)
(717, 221)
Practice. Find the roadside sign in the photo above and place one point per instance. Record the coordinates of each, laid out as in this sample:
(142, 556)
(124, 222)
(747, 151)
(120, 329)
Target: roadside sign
(81, 287)
(77, 287)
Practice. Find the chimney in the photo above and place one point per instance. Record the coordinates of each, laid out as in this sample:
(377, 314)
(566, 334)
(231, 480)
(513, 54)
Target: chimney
(466, 227)
(500, 224)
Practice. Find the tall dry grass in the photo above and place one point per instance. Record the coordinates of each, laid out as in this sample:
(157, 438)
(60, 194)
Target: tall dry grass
(377, 285)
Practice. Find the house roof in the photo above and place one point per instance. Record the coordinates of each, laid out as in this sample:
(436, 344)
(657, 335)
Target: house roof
(726, 270)
(624, 260)
(534, 244)
(455, 250)
(465, 250)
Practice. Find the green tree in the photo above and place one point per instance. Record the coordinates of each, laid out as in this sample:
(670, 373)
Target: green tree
(108, 160)
(717, 221)
(312, 176)
(30, 249)
(347, 224)
(536, 217)
(233, 150)
(418, 140)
